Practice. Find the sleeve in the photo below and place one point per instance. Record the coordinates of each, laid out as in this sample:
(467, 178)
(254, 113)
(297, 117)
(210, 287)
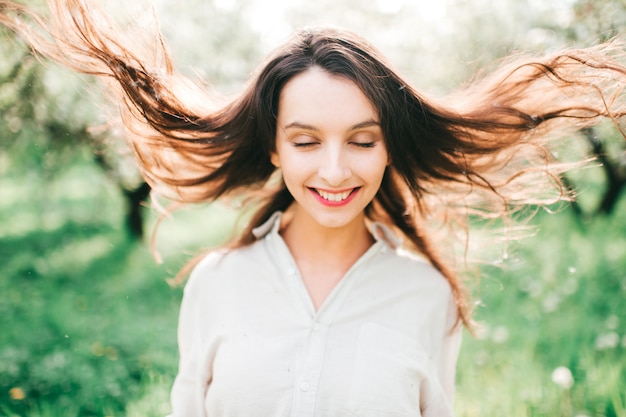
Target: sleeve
(450, 349)
(194, 370)
(438, 393)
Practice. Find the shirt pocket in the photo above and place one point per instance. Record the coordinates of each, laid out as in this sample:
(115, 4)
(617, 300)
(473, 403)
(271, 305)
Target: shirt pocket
(389, 368)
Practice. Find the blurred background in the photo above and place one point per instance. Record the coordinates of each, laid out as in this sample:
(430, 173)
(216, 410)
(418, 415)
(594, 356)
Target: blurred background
(88, 319)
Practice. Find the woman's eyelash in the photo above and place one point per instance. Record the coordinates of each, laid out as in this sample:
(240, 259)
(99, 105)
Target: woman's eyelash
(303, 144)
(359, 144)
(365, 144)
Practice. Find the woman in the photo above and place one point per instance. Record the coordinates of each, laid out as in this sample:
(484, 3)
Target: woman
(333, 300)
(321, 315)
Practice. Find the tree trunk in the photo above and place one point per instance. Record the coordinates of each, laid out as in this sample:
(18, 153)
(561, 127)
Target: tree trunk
(135, 200)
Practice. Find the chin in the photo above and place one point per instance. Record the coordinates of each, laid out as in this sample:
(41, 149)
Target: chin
(336, 221)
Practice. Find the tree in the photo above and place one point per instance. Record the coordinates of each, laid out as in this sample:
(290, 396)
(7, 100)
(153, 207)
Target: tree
(602, 20)
(50, 117)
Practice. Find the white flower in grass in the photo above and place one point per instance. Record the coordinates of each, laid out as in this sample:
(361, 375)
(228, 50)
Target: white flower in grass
(563, 377)
(500, 334)
(607, 341)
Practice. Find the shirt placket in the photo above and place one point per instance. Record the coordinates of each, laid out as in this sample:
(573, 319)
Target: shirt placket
(307, 381)
(311, 359)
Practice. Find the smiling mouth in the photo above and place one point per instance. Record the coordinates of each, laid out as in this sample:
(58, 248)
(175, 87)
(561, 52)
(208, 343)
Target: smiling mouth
(334, 197)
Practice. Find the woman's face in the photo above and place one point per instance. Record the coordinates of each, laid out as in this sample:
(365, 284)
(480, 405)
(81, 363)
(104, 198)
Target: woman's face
(330, 147)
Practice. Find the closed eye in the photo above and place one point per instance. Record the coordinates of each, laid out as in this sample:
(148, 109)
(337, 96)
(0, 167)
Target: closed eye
(365, 138)
(304, 144)
(364, 144)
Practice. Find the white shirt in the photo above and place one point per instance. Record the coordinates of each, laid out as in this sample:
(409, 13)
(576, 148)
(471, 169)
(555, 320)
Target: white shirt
(252, 344)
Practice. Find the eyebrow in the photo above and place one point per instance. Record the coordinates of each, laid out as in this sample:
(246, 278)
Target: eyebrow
(361, 125)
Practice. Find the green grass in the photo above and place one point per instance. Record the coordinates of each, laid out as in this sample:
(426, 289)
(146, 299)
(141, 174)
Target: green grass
(560, 303)
(89, 322)
(88, 319)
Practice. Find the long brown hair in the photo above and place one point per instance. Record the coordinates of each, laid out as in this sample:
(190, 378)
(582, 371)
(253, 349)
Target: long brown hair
(483, 150)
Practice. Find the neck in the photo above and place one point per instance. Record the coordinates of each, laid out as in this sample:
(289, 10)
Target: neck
(311, 242)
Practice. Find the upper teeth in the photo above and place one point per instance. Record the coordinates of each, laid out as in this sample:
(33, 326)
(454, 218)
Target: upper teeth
(333, 196)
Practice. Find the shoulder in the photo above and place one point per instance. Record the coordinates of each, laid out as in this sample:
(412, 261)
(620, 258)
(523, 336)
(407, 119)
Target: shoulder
(415, 270)
(224, 263)
(398, 262)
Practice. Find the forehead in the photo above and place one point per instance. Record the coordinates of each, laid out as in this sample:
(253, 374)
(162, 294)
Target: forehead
(321, 99)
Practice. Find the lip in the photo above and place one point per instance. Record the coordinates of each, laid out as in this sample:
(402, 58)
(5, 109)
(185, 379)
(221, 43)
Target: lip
(327, 203)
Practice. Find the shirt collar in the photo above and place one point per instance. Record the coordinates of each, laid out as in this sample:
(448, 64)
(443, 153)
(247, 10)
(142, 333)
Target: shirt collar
(380, 231)
(271, 225)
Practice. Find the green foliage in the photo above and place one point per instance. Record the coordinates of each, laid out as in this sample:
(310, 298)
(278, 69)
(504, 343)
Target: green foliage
(558, 303)
(42, 115)
(76, 296)
(89, 322)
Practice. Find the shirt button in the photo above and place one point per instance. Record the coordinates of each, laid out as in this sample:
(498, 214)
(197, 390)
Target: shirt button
(304, 386)
(291, 271)
(316, 327)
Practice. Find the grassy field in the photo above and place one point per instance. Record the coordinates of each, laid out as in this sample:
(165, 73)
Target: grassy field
(552, 340)
(89, 322)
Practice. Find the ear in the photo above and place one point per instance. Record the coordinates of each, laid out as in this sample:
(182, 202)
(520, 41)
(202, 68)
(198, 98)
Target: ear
(274, 159)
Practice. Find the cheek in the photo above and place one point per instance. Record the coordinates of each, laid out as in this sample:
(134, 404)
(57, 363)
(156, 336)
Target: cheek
(376, 165)
(377, 172)
(294, 169)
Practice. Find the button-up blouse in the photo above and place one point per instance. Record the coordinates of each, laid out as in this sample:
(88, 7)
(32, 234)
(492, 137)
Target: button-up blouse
(383, 343)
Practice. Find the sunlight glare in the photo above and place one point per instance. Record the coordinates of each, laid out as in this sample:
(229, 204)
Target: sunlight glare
(432, 10)
(390, 6)
(267, 18)
(225, 5)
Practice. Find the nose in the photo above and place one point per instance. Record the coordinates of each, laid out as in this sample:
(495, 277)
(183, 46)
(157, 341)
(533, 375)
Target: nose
(335, 168)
